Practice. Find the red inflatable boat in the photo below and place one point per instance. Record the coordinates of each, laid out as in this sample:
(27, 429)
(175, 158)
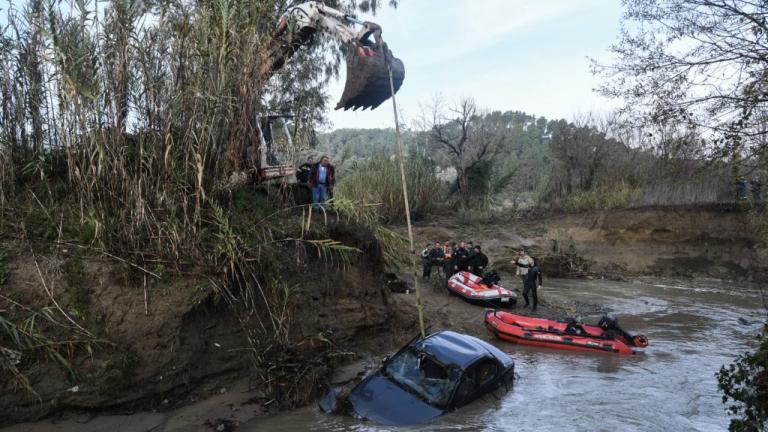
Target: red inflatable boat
(607, 336)
(471, 288)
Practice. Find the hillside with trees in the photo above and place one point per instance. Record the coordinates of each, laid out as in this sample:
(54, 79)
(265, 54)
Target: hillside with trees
(512, 159)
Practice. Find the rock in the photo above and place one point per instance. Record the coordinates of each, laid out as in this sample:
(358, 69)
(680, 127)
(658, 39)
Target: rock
(744, 321)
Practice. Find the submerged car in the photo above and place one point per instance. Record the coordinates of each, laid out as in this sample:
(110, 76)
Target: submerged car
(428, 377)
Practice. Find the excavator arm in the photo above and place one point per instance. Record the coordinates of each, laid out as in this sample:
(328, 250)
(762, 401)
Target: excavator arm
(369, 62)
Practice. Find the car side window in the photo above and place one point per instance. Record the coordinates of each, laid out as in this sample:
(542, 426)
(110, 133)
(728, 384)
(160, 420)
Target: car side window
(477, 376)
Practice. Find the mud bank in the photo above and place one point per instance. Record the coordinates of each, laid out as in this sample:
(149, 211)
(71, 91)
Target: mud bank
(712, 242)
(183, 344)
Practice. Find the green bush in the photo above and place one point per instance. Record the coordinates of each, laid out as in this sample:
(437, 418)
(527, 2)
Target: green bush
(600, 200)
(744, 385)
(377, 181)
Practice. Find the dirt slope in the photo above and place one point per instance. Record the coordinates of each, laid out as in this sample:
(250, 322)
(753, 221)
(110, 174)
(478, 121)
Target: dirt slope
(674, 242)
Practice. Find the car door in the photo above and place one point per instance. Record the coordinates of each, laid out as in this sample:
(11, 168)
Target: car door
(479, 379)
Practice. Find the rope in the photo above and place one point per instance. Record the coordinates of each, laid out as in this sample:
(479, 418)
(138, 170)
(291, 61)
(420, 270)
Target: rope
(405, 199)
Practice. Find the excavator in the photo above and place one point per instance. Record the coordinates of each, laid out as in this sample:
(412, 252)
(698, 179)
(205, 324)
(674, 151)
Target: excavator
(369, 63)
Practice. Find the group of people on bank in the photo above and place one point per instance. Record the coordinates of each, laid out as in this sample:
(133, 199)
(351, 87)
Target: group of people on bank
(453, 258)
(465, 256)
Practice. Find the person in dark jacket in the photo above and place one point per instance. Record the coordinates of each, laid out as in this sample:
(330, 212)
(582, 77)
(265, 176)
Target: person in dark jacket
(433, 257)
(532, 284)
(478, 262)
(460, 256)
(426, 265)
(321, 178)
(447, 260)
(305, 169)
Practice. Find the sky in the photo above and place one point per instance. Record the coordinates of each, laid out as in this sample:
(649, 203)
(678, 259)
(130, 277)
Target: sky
(522, 55)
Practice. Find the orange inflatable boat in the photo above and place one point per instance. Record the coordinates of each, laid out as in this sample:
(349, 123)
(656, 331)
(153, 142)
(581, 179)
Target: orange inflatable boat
(473, 289)
(605, 337)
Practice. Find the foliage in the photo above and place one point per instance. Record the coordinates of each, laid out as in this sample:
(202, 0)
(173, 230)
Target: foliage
(469, 141)
(346, 146)
(591, 162)
(695, 64)
(744, 384)
(26, 340)
(394, 248)
(599, 200)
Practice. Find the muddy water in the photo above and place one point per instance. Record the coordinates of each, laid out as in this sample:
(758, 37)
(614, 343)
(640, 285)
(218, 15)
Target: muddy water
(670, 386)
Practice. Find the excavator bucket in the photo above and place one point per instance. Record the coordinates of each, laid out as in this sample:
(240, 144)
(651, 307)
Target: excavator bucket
(367, 83)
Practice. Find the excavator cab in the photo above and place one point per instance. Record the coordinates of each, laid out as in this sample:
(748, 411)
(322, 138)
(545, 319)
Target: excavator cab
(269, 165)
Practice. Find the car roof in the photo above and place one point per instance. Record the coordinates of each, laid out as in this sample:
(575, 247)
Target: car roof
(453, 348)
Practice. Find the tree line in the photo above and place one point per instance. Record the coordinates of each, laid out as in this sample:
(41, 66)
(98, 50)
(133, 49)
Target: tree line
(503, 158)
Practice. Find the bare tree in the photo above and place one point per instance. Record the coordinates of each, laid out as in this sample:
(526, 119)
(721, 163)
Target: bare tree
(702, 63)
(463, 136)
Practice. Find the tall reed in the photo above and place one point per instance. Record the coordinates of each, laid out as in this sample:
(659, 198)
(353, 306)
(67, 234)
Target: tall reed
(377, 181)
(131, 117)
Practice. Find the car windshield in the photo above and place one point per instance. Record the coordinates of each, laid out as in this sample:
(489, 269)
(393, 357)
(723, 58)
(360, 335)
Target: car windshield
(424, 376)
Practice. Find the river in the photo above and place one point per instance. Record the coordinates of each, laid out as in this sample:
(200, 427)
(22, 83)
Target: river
(671, 385)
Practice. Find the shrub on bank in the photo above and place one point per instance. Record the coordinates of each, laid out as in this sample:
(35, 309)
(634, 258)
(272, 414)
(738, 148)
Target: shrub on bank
(600, 200)
(377, 181)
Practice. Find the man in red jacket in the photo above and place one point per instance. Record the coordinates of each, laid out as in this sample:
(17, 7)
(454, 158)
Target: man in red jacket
(321, 179)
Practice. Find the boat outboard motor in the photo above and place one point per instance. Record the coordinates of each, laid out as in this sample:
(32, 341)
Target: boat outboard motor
(610, 326)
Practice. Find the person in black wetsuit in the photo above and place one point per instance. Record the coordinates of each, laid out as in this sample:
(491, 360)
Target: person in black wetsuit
(478, 262)
(532, 284)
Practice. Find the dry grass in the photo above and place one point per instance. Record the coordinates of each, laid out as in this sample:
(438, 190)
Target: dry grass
(377, 181)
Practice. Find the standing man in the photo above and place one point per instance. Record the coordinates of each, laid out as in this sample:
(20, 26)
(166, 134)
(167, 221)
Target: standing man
(523, 263)
(532, 284)
(447, 260)
(478, 262)
(460, 256)
(435, 258)
(302, 174)
(757, 190)
(470, 253)
(321, 178)
(425, 262)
